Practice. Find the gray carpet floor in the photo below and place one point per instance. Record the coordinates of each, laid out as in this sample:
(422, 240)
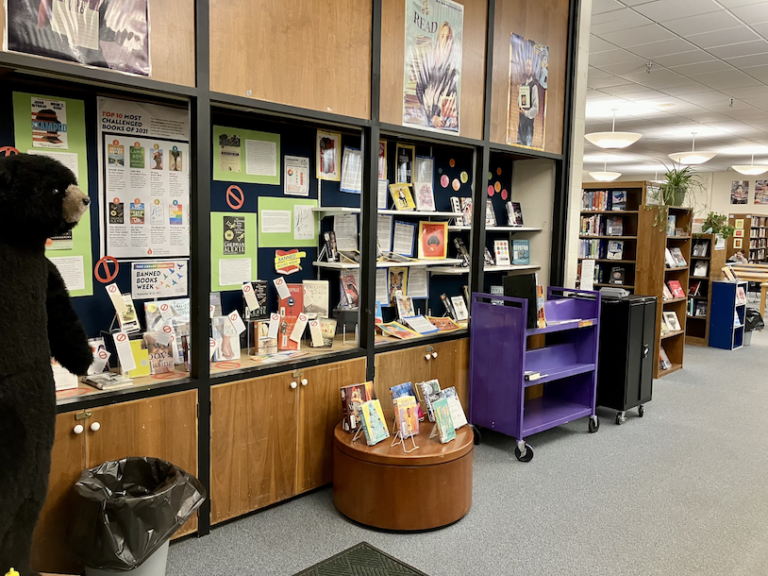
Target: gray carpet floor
(682, 491)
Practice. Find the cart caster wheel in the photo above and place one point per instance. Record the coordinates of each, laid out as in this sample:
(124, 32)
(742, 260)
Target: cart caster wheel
(641, 411)
(594, 424)
(619, 420)
(478, 436)
(527, 457)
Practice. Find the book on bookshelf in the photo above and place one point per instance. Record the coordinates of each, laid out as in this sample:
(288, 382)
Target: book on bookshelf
(741, 296)
(694, 289)
(405, 389)
(618, 200)
(615, 250)
(514, 214)
(501, 248)
(700, 268)
(676, 289)
(454, 405)
(701, 248)
(691, 307)
(406, 417)
(664, 327)
(671, 221)
(352, 398)
(374, 428)
(678, 257)
(670, 317)
(430, 391)
(490, 215)
(664, 362)
(701, 309)
(614, 226)
(617, 275)
(445, 430)
(666, 294)
(669, 260)
(736, 319)
(521, 252)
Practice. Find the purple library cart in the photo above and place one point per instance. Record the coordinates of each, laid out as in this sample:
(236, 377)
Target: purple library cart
(566, 365)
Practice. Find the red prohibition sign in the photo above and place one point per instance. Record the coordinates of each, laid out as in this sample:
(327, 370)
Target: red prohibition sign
(8, 150)
(235, 197)
(246, 287)
(228, 365)
(101, 270)
(103, 355)
(166, 376)
(164, 307)
(167, 329)
(121, 338)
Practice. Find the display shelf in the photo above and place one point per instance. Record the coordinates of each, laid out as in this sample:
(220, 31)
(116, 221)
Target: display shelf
(697, 331)
(603, 237)
(674, 368)
(562, 372)
(678, 237)
(606, 261)
(354, 266)
(510, 267)
(610, 211)
(385, 341)
(724, 308)
(545, 413)
(449, 270)
(605, 285)
(331, 210)
(674, 300)
(672, 334)
(417, 214)
(676, 269)
(498, 229)
(143, 384)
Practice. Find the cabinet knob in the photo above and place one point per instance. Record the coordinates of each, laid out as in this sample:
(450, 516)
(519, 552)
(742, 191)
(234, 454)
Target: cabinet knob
(434, 354)
(95, 427)
(427, 356)
(78, 429)
(304, 382)
(293, 384)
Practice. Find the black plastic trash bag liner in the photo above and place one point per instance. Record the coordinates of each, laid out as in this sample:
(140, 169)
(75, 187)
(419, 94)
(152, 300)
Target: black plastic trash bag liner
(753, 320)
(128, 509)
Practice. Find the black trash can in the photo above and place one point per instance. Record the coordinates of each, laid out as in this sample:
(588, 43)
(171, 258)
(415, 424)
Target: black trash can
(129, 509)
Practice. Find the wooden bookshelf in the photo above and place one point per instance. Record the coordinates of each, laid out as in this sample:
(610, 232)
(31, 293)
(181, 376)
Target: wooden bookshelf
(753, 239)
(697, 327)
(630, 214)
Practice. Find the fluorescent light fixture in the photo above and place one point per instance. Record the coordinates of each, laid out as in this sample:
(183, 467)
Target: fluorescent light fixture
(751, 169)
(694, 156)
(613, 139)
(605, 176)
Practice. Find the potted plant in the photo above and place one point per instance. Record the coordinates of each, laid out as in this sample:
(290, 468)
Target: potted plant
(679, 181)
(717, 224)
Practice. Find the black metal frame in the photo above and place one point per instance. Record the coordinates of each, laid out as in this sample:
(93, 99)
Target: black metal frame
(202, 101)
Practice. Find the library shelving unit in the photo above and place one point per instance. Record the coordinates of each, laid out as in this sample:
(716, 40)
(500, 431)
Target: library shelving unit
(725, 332)
(750, 237)
(700, 288)
(566, 363)
(596, 204)
(245, 125)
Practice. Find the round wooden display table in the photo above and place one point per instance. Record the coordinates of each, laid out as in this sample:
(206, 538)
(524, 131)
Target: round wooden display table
(384, 487)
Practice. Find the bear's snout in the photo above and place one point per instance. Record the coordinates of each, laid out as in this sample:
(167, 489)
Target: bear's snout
(75, 204)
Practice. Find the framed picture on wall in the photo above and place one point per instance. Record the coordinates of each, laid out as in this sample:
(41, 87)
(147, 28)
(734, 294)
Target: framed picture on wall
(527, 100)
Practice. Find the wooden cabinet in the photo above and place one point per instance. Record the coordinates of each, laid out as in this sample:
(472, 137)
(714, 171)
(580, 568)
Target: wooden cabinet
(161, 427)
(272, 437)
(448, 362)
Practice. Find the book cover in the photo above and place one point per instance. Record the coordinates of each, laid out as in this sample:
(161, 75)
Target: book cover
(671, 223)
(406, 416)
(523, 286)
(670, 318)
(614, 226)
(677, 254)
(349, 290)
(448, 306)
(541, 318)
(398, 280)
(490, 215)
(458, 417)
(421, 325)
(352, 399)
(446, 431)
(316, 297)
(701, 309)
(128, 319)
(264, 344)
(260, 312)
(430, 391)
(397, 330)
(521, 252)
(514, 214)
(676, 289)
(455, 204)
(667, 295)
(401, 196)
(328, 330)
(433, 240)
(227, 339)
(374, 428)
(425, 197)
(466, 211)
(461, 251)
(488, 257)
(741, 296)
(615, 250)
(331, 248)
(160, 353)
(669, 260)
(293, 305)
(501, 249)
(443, 324)
(700, 268)
(63, 379)
(141, 357)
(736, 319)
(460, 308)
(694, 288)
(404, 305)
(618, 200)
(617, 275)
(664, 362)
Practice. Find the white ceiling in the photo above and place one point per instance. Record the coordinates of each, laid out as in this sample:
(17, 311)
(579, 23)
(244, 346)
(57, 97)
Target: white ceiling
(703, 53)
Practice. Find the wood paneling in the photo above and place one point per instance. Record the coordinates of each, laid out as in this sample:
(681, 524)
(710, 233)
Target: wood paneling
(253, 445)
(172, 41)
(543, 21)
(305, 53)
(392, 368)
(162, 427)
(319, 413)
(427, 489)
(472, 65)
(451, 368)
(49, 552)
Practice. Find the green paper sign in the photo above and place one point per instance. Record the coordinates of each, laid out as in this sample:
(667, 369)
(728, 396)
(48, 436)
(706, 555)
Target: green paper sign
(55, 127)
(287, 222)
(246, 156)
(233, 242)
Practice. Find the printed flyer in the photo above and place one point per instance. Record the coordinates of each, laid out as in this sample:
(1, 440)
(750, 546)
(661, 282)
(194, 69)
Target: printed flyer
(527, 104)
(151, 280)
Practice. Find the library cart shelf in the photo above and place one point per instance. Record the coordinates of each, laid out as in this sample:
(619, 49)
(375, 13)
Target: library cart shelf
(502, 357)
(604, 285)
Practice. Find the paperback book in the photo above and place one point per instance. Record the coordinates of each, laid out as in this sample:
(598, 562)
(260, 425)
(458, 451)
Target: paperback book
(700, 268)
(676, 289)
(664, 362)
(490, 215)
(614, 226)
(374, 428)
(445, 430)
(406, 418)
(460, 308)
(501, 248)
(430, 391)
(352, 399)
(514, 214)
(405, 389)
(458, 417)
(671, 320)
(521, 252)
(677, 255)
(397, 330)
(316, 297)
(618, 200)
(466, 211)
(461, 251)
(443, 324)
(615, 250)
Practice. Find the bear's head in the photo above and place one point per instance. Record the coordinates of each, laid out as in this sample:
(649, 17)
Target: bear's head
(39, 198)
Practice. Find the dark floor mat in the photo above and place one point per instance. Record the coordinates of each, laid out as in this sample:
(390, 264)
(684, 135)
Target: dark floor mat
(361, 560)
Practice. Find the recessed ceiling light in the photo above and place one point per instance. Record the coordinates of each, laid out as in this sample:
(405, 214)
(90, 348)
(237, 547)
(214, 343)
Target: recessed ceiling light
(694, 156)
(667, 105)
(613, 139)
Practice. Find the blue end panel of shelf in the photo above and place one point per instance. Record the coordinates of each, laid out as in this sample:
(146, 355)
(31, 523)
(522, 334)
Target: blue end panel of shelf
(722, 331)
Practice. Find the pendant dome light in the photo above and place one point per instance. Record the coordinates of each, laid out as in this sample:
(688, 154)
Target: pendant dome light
(613, 139)
(605, 176)
(751, 170)
(694, 156)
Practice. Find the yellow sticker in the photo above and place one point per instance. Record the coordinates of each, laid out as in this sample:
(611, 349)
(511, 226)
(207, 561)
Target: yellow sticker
(464, 177)
(739, 224)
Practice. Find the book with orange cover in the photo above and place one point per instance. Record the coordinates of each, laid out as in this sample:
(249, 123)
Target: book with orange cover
(352, 398)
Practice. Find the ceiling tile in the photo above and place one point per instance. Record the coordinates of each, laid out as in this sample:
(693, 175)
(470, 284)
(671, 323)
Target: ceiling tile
(665, 10)
(659, 49)
(693, 57)
(747, 61)
(742, 49)
(702, 23)
(754, 13)
(706, 116)
(600, 6)
(759, 72)
(636, 2)
(617, 20)
(727, 79)
(723, 37)
(599, 45)
(605, 80)
(759, 103)
(659, 79)
(737, 3)
(632, 92)
(751, 92)
(636, 65)
(761, 29)
(692, 88)
(638, 35)
(702, 68)
(611, 57)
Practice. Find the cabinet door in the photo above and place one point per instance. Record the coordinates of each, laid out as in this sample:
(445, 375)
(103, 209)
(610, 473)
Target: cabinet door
(392, 368)
(253, 445)
(161, 427)
(49, 553)
(319, 413)
(451, 368)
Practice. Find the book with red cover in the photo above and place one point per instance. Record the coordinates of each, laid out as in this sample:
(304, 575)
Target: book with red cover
(289, 310)
(352, 397)
(677, 290)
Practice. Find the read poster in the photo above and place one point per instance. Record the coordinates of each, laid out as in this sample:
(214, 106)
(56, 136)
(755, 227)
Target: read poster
(527, 105)
(112, 35)
(432, 72)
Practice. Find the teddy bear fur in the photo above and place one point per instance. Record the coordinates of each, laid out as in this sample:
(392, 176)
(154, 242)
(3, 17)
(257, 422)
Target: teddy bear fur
(39, 198)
